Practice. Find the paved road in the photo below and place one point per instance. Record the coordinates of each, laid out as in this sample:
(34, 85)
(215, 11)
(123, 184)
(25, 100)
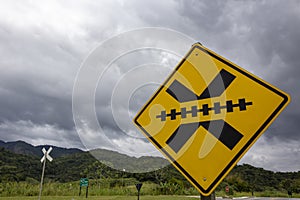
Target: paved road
(261, 198)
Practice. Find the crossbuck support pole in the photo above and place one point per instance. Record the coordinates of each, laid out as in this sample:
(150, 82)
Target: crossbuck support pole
(42, 179)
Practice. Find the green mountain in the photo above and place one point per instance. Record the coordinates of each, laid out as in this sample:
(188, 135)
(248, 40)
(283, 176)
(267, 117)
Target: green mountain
(127, 163)
(20, 147)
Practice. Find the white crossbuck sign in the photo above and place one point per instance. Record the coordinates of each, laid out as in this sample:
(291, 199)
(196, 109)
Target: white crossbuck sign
(46, 154)
(43, 160)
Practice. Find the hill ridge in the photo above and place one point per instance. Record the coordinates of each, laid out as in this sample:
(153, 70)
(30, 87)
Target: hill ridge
(24, 148)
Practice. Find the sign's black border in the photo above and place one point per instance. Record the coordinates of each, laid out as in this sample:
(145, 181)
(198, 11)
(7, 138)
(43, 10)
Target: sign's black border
(252, 139)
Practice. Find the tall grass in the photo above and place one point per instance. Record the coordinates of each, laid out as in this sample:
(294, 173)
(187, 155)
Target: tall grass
(110, 187)
(105, 187)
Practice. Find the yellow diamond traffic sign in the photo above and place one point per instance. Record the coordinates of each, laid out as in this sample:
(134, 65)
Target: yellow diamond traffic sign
(207, 114)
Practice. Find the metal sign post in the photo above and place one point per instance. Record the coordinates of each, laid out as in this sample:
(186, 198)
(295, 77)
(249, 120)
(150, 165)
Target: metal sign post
(212, 196)
(43, 160)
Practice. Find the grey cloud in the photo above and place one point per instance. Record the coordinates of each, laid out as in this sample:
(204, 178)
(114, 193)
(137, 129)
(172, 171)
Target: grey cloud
(115, 112)
(274, 154)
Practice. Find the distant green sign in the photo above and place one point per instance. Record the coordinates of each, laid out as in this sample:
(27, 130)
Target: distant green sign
(84, 182)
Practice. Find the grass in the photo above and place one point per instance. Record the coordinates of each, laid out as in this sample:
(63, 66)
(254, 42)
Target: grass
(101, 198)
(69, 191)
(72, 190)
(143, 197)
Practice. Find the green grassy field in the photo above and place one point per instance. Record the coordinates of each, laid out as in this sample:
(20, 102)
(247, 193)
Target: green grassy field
(101, 198)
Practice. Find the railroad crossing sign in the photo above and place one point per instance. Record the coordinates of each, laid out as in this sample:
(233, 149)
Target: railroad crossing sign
(207, 114)
(43, 160)
(46, 155)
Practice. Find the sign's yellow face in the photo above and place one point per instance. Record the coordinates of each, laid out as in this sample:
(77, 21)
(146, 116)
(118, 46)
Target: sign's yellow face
(207, 114)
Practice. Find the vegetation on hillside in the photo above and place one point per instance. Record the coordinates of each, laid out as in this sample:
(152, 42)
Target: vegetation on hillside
(17, 170)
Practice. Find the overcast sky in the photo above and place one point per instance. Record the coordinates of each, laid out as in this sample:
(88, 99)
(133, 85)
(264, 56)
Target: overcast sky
(44, 45)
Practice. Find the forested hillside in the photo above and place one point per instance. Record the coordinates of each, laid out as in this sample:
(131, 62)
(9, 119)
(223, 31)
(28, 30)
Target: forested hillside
(73, 166)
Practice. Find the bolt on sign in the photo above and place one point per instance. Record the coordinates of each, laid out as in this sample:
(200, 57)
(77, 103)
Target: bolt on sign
(207, 115)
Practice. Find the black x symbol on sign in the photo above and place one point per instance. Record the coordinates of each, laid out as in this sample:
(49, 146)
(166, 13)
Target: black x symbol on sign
(223, 131)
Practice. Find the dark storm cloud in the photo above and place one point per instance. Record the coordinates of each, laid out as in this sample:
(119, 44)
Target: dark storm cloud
(34, 80)
(27, 105)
